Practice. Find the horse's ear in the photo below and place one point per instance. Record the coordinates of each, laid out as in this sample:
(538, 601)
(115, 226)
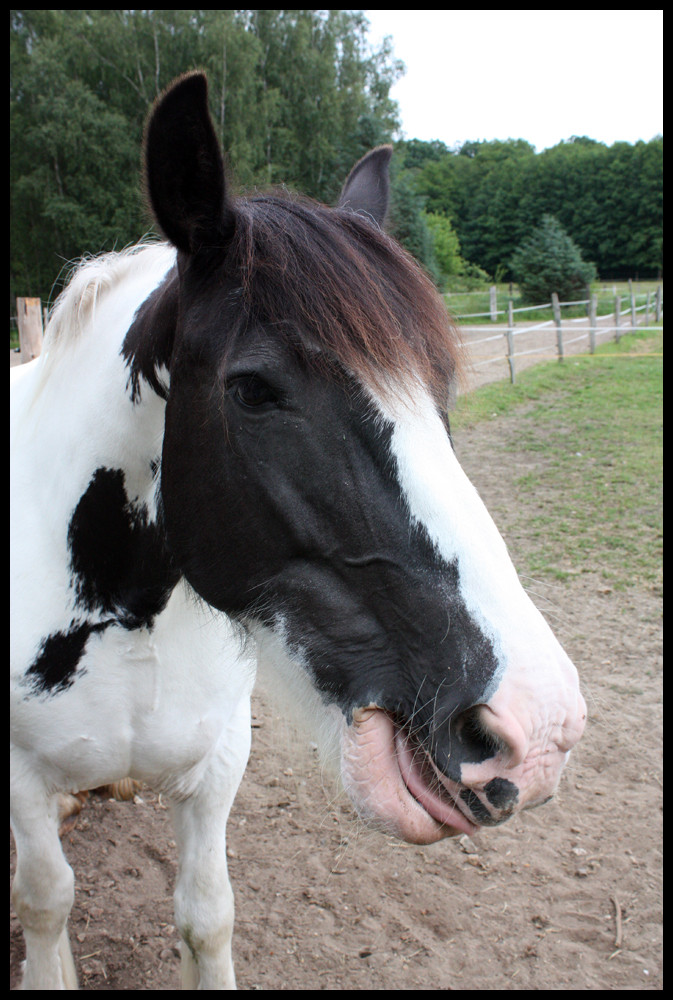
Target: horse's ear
(184, 171)
(367, 187)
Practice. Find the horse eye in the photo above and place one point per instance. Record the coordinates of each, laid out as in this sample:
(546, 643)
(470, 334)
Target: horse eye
(252, 392)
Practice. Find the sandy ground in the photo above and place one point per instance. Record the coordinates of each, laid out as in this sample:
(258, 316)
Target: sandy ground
(568, 896)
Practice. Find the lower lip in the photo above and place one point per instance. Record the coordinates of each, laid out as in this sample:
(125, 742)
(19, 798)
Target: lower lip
(438, 807)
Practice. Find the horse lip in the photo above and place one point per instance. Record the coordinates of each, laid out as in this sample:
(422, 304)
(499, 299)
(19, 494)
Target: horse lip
(375, 781)
(364, 713)
(445, 802)
(436, 798)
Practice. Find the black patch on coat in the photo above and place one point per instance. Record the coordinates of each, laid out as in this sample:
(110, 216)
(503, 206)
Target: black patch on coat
(292, 510)
(118, 557)
(121, 569)
(501, 793)
(55, 666)
(478, 810)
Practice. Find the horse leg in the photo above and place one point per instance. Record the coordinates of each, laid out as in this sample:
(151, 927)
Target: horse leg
(204, 900)
(43, 889)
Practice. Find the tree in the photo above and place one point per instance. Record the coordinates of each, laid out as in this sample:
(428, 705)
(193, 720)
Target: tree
(297, 97)
(548, 261)
(608, 199)
(447, 246)
(409, 225)
(74, 166)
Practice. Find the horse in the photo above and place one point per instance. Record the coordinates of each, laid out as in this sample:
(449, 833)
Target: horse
(234, 454)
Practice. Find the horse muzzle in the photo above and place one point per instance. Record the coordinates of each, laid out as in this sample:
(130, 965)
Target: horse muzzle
(396, 785)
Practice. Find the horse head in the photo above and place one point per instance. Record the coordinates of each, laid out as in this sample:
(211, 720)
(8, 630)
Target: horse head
(310, 490)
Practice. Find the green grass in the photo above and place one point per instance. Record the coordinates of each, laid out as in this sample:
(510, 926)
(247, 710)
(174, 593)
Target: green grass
(589, 434)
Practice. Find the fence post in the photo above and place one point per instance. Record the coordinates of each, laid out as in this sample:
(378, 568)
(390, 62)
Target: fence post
(510, 341)
(494, 304)
(29, 320)
(556, 307)
(593, 304)
(657, 312)
(618, 314)
(633, 305)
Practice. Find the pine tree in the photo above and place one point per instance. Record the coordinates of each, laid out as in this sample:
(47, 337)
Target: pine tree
(549, 261)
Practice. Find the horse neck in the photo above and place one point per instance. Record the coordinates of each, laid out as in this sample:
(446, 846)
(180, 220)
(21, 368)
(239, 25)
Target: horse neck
(79, 400)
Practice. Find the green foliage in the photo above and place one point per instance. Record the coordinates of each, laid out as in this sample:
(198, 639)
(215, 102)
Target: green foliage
(548, 261)
(446, 245)
(429, 236)
(408, 223)
(297, 97)
(608, 199)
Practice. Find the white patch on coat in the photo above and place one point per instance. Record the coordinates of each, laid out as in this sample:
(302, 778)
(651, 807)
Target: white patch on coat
(534, 696)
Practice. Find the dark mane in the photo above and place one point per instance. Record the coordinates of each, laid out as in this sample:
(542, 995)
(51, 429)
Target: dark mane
(348, 287)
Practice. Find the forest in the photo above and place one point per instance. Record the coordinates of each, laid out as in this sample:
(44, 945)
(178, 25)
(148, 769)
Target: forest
(297, 96)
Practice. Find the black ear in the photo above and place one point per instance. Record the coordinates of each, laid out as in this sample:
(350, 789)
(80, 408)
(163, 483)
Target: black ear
(184, 171)
(368, 185)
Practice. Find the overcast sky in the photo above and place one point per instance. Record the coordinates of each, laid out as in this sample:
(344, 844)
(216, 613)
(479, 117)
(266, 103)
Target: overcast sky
(539, 75)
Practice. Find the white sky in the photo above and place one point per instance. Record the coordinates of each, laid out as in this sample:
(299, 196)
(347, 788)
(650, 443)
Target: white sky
(539, 75)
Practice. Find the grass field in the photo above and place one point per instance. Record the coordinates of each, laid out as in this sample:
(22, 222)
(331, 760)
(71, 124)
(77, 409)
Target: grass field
(594, 427)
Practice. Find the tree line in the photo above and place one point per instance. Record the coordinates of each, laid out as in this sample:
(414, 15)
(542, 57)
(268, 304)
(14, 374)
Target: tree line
(297, 96)
(607, 199)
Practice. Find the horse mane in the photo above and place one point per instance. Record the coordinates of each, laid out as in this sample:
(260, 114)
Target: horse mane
(92, 278)
(349, 288)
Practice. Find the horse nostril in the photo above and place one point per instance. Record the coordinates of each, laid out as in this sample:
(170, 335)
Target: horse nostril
(464, 739)
(477, 740)
(476, 735)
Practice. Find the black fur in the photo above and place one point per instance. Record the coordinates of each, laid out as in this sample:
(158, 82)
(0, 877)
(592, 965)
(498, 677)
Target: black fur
(119, 559)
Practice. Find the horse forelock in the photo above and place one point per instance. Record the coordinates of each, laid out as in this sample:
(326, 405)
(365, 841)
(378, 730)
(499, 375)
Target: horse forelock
(331, 275)
(356, 295)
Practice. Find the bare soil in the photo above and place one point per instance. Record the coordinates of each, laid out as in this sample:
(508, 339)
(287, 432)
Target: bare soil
(565, 897)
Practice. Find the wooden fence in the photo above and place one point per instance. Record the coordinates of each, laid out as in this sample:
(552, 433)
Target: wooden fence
(29, 323)
(566, 333)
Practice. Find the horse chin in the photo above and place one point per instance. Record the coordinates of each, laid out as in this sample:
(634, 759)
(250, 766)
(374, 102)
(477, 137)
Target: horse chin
(392, 784)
